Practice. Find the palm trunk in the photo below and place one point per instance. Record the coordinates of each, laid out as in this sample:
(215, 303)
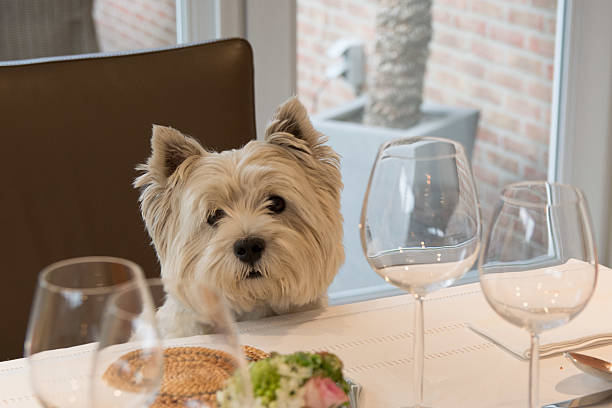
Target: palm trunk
(403, 32)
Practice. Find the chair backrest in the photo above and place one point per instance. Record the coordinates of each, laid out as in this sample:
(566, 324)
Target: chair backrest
(73, 130)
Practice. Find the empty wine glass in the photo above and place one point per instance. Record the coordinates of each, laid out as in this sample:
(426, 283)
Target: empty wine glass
(129, 357)
(420, 223)
(194, 367)
(66, 313)
(538, 267)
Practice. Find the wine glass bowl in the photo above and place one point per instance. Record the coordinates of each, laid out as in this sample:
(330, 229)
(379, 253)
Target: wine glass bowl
(219, 341)
(538, 267)
(68, 305)
(129, 357)
(420, 222)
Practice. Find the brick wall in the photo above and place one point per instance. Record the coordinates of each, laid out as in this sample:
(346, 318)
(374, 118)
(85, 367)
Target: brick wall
(493, 55)
(135, 24)
(319, 24)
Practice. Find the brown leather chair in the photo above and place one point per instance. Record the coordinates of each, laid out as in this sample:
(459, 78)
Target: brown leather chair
(72, 131)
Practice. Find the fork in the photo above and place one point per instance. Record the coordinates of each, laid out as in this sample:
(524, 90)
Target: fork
(354, 393)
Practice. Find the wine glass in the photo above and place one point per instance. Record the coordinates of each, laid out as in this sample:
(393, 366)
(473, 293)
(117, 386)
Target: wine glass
(538, 267)
(420, 223)
(194, 367)
(129, 357)
(66, 313)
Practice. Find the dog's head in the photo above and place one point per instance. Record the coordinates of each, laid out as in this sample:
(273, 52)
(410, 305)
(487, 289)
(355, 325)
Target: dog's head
(261, 224)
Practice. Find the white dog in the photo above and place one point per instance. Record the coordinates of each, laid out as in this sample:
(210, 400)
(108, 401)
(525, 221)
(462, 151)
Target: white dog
(260, 224)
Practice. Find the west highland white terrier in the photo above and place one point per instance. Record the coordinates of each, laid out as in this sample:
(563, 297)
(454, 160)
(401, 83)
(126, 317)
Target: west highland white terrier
(260, 224)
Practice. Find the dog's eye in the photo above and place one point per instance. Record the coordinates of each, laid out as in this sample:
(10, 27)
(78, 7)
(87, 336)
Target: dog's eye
(214, 218)
(277, 204)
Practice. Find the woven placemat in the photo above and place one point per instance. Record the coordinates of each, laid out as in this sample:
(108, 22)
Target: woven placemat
(192, 375)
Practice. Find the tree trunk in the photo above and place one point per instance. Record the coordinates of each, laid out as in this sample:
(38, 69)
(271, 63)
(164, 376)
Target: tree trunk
(403, 32)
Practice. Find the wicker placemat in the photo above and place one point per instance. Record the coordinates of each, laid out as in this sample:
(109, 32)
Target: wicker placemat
(191, 374)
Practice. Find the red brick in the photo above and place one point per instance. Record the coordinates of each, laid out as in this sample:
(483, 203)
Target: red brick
(485, 175)
(550, 72)
(345, 91)
(545, 157)
(487, 207)
(301, 9)
(471, 24)
(462, 102)
(448, 39)
(521, 106)
(532, 173)
(457, 4)
(491, 195)
(441, 16)
(306, 60)
(512, 37)
(445, 77)
(505, 79)
(317, 48)
(501, 120)
(472, 68)
(333, 4)
(526, 19)
(524, 63)
(343, 22)
(487, 135)
(484, 92)
(487, 51)
(489, 8)
(308, 29)
(439, 55)
(361, 10)
(542, 46)
(540, 91)
(545, 4)
(550, 25)
(504, 162)
(310, 13)
(478, 154)
(537, 132)
(307, 92)
(520, 148)
(433, 93)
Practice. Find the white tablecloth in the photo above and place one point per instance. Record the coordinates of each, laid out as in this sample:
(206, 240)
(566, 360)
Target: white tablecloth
(373, 338)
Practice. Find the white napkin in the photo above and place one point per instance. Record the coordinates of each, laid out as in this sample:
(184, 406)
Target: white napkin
(589, 329)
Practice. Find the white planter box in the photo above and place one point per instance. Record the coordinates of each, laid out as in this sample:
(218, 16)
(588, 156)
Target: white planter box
(358, 145)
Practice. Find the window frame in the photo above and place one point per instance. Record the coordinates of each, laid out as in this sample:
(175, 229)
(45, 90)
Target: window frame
(581, 26)
(580, 117)
(270, 27)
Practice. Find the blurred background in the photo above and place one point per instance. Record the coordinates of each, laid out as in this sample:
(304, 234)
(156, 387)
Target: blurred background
(527, 83)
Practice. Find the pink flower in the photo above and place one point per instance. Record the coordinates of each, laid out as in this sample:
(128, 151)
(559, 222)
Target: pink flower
(323, 393)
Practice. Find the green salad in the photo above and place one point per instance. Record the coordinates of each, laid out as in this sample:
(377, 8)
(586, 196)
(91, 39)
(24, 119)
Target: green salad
(298, 380)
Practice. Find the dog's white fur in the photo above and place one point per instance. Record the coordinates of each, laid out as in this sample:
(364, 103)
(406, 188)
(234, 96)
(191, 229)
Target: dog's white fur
(183, 185)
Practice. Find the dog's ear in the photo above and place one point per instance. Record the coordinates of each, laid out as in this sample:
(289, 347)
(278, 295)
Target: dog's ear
(291, 128)
(170, 148)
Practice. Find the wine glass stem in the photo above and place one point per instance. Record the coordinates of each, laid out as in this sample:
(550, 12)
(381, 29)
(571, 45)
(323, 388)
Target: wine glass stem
(418, 355)
(534, 371)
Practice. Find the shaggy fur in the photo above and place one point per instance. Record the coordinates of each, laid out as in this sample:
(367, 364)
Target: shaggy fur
(197, 204)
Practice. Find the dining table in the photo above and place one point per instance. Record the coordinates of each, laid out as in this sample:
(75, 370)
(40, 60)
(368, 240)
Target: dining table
(473, 358)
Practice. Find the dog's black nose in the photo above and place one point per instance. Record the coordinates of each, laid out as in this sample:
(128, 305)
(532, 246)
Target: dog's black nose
(249, 250)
